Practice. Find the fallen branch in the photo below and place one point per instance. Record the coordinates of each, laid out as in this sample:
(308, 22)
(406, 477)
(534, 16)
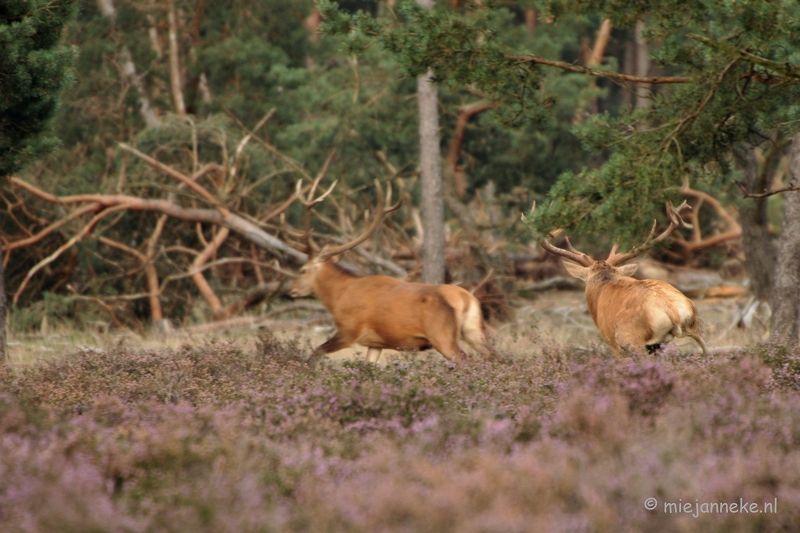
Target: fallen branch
(697, 241)
(33, 239)
(88, 228)
(248, 230)
(214, 303)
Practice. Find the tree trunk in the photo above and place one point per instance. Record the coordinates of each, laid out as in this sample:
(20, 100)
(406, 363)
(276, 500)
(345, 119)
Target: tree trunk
(760, 254)
(108, 10)
(642, 67)
(433, 245)
(3, 306)
(785, 328)
(174, 61)
(629, 67)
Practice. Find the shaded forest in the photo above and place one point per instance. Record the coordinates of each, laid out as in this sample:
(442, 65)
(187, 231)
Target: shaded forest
(195, 132)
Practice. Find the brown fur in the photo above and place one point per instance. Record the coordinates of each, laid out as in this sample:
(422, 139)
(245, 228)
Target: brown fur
(382, 312)
(635, 314)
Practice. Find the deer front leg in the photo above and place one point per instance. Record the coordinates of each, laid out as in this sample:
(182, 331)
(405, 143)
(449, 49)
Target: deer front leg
(337, 342)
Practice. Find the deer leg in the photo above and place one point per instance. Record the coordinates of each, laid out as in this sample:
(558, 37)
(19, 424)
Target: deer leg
(336, 343)
(699, 340)
(628, 343)
(653, 348)
(477, 341)
(447, 345)
(373, 351)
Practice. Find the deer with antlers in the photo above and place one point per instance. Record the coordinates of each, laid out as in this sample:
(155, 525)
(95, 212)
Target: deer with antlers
(633, 315)
(382, 312)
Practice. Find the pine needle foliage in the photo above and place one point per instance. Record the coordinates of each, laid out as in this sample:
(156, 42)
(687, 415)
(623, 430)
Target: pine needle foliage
(34, 67)
(741, 60)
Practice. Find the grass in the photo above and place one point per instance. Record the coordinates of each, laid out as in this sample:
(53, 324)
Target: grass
(228, 436)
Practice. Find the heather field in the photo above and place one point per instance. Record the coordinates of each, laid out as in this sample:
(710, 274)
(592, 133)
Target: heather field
(230, 436)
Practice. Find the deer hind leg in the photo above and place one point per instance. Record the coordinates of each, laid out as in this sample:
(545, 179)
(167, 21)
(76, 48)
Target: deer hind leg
(473, 333)
(441, 327)
(373, 351)
(699, 340)
(446, 343)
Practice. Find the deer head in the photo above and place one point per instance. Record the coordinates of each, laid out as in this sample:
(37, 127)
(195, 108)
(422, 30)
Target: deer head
(584, 267)
(304, 283)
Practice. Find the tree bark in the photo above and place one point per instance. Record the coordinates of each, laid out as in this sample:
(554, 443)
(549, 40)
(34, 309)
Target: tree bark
(174, 61)
(759, 253)
(642, 67)
(433, 245)
(151, 120)
(785, 327)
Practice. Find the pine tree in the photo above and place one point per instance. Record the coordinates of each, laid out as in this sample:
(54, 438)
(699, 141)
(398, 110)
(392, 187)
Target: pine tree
(34, 67)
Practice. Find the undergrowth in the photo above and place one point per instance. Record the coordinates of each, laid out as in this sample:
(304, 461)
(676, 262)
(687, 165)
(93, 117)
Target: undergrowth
(217, 439)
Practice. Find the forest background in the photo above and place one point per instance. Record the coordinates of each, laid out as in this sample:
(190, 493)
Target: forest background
(174, 187)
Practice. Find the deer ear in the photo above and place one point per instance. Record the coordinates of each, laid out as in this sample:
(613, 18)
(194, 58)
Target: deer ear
(576, 270)
(628, 270)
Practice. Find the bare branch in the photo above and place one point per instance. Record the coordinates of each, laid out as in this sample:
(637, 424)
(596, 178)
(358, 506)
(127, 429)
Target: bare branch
(174, 60)
(790, 70)
(569, 67)
(193, 185)
(246, 139)
(765, 194)
(67, 245)
(734, 230)
(236, 223)
(465, 112)
(202, 284)
(91, 208)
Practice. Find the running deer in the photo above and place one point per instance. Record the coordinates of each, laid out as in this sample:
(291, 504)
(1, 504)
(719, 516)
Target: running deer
(382, 312)
(631, 314)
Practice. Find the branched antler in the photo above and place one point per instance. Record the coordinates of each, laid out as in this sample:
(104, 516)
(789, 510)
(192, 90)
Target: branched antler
(380, 211)
(614, 259)
(675, 221)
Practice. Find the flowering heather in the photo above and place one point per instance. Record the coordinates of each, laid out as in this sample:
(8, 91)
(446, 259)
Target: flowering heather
(216, 439)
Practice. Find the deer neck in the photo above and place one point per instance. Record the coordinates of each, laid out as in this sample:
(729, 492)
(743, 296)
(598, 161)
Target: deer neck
(595, 286)
(331, 283)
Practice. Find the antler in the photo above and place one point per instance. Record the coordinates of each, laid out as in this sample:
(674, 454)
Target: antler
(309, 202)
(380, 211)
(572, 254)
(675, 221)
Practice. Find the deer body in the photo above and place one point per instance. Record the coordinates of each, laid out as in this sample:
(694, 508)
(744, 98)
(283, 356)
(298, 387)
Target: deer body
(382, 312)
(632, 314)
(636, 314)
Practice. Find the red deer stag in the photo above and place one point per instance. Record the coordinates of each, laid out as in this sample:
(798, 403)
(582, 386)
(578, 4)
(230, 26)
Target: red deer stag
(632, 314)
(382, 312)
